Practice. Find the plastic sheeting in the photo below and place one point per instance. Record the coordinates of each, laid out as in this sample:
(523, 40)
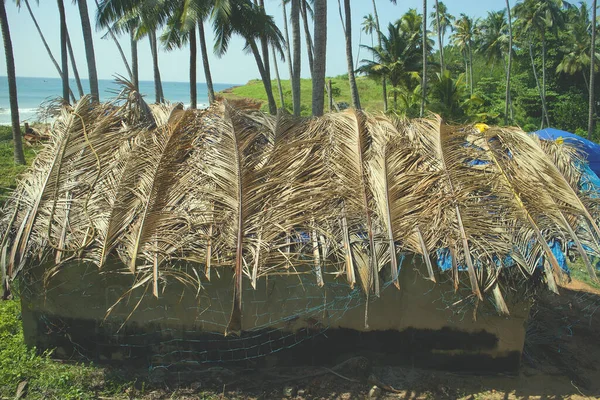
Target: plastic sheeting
(589, 182)
(591, 149)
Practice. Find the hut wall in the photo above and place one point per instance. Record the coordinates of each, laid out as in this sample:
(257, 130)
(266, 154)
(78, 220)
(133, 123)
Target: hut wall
(422, 323)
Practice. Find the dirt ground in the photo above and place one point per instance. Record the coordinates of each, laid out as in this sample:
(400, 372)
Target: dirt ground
(560, 361)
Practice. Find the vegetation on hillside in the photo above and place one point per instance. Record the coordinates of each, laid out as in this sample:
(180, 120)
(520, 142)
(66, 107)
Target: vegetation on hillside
(472, 85)
(8, 170)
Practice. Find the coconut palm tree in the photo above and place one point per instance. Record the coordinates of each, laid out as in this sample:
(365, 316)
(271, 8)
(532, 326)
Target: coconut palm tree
(180, 30)
(44, 42)
(508, 100)
(441, 21)
(398, 59)
(424, 77)
(492, 38)
(74, 65)
(378, 27)
(438, 27)
(464, 39)
(264, 42)
(19, 156)
(288, 47)
(306, 10)
(591, 116)
(368, 26)
(88, 42)
(140, 19)
(114, 38)
(535, 18)
(63, 51)
(576, 46)
(349, 57)
(320, 57)
(205, 62)
(296, 60)
(247, 20)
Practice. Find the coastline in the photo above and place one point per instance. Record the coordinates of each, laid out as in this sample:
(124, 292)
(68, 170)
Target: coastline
(34, 91)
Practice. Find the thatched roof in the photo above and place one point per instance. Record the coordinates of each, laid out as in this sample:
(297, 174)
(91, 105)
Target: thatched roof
(162, 189)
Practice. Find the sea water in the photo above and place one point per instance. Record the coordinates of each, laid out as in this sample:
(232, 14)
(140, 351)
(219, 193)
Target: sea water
(31, 92)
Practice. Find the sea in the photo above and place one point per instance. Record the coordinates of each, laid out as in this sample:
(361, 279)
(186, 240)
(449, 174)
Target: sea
(32, 92)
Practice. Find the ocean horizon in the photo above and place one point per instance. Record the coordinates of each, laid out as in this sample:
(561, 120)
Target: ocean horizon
(32, 92)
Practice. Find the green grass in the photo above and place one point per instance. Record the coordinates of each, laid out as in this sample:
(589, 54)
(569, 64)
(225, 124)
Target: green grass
(580, 272)
(371, 97)
(45, 377)
(8, 170)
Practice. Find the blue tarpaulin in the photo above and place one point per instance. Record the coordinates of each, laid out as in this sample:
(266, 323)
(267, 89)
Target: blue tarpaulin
(589, 182)
(591, 149)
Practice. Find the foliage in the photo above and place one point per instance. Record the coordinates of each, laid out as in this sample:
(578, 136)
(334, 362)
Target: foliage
(370, 93)
(8, 170)
(45, 378)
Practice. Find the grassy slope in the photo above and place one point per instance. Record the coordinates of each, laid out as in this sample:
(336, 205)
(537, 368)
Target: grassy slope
(580, 273)
(8, 170)
(370, 93)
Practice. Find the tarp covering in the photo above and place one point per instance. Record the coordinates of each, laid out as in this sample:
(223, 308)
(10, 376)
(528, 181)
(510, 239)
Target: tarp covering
(589, 182)
(591, 149)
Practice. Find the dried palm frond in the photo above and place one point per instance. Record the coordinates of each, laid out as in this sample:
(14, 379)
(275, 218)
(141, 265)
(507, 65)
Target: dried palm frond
(464, 213)
(230, 162)
(348, 149)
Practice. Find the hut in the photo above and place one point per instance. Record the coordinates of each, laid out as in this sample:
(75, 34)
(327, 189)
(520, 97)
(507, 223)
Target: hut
(176, 238)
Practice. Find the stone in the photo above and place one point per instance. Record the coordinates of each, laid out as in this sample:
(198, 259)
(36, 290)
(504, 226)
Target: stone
(289, 391)
(374, 393)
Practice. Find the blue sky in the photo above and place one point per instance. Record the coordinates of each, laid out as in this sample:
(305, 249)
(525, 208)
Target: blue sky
(235, 67)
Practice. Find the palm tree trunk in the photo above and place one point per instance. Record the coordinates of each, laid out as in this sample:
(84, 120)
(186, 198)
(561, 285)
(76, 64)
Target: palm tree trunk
(19, 157)
(424, 45)
(54, 62)
(349, 57)
(296, 62)
(359, 47)
(74, 65)
(288, 46)
(63, 51)
(193, 86)
(330, 95)
(158, 91)
(537, 83)
(586, 82)
(471, 69)
(205, 63)
(320, 60)
(89, 49)
(439, 33)
(383, 81)
(279, 87)
(134, 61)
(467, 71)
(509, 67)
(123, 57)
(114, 38)
(545, 110)
(591, 119)
(263, 74)
(265, 46)
(307, 36)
